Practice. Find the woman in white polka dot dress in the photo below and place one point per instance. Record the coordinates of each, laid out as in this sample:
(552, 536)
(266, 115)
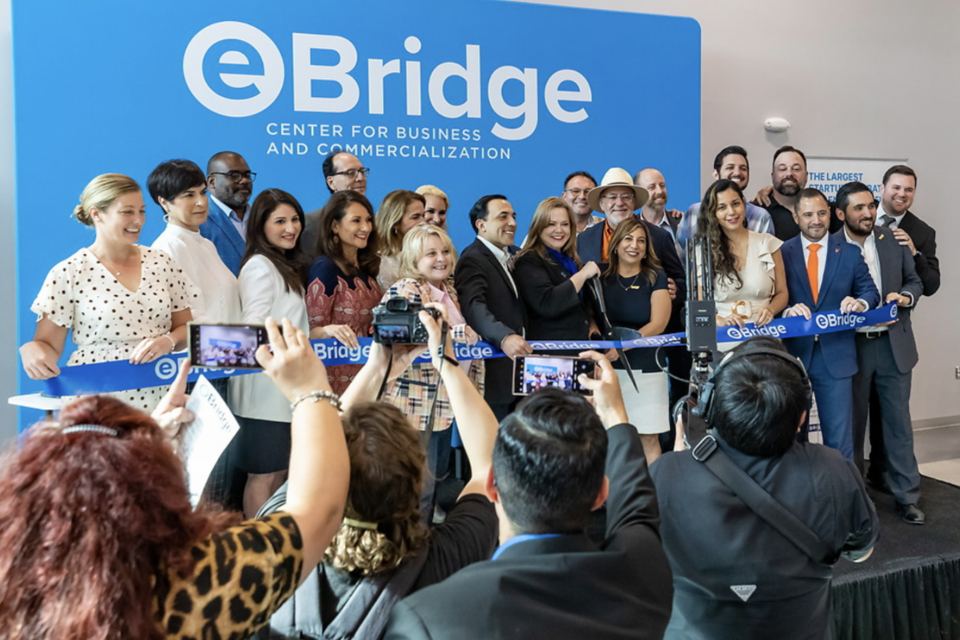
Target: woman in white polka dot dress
(123, 301)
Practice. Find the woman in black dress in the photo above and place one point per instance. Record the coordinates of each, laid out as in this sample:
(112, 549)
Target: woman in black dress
(635, 290)
(550, 278)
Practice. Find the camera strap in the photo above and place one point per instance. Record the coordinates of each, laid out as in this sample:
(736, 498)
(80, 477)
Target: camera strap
(436, 389)
(760, 502)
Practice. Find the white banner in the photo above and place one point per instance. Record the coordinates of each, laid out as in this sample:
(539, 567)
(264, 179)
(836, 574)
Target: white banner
(829, 174)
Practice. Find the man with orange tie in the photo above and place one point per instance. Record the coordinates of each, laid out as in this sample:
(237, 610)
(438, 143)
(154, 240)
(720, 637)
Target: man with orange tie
(824, 274)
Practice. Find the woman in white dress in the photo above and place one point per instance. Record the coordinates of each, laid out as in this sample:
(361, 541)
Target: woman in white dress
(179, 187)
(123, 301)
(272, 280)
(400, 211)
(750, 284)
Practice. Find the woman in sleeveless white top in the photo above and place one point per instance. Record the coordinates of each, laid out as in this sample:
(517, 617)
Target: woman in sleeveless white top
(750, 284)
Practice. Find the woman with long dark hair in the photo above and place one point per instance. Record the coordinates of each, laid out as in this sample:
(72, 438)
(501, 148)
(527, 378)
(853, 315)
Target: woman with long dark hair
(98, 538)
(550, 278)
(749, 280)
(635, 290)
(272, 277)
(342, 288)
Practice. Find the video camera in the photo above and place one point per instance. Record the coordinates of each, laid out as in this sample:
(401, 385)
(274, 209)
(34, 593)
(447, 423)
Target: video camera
(701, 335)
(395, 321)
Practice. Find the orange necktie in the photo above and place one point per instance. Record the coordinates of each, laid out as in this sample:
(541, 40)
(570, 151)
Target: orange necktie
(813, 268)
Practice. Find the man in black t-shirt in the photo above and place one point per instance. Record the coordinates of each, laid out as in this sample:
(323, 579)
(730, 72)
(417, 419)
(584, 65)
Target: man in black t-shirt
(789, 175)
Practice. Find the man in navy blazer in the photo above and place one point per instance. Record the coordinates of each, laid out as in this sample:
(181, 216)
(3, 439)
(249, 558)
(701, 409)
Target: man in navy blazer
(554, 460)
(618, 198)
(229, 185)
(842, 282)
(887, 354)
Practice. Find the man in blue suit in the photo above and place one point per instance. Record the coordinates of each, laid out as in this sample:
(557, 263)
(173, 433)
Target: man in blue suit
(825, 273)
(229, 185)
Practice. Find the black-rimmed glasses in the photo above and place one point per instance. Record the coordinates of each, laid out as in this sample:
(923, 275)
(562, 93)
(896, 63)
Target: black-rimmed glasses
(236, 176)
(352, 173)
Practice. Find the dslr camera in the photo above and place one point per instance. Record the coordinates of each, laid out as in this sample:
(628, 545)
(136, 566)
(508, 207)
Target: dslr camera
(395, 321)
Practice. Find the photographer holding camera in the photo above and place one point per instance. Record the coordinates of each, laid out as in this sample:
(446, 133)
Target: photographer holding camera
(426, 266)
(555, 459)
(757, 519)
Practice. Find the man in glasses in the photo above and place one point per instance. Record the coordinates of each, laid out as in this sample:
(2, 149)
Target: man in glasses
(575, 189)
(342, 171)
(229, 185)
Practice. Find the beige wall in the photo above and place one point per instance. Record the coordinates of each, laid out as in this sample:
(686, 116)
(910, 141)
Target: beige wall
(857, 78)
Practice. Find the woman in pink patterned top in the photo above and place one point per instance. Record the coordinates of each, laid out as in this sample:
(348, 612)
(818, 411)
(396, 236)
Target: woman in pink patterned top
(342, 287)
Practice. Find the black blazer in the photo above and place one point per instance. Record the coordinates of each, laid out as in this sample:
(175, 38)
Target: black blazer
(590, 242)
(565, 586)
(555, 311)
(925, 240)
(492, 309)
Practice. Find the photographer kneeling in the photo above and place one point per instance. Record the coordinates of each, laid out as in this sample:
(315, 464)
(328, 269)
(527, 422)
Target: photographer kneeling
(737, 573)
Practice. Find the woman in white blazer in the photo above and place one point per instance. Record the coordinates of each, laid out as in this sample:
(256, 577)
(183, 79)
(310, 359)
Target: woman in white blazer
(272, 279)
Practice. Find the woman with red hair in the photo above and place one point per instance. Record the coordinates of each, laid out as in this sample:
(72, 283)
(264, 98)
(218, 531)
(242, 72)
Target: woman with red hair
(98, 539)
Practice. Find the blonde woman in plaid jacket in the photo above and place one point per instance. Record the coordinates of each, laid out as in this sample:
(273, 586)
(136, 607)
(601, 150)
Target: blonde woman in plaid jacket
(426, 275)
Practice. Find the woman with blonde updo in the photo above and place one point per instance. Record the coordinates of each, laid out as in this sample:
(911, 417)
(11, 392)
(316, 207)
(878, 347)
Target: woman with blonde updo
(123, 301)
(400, 211)
(436, 205)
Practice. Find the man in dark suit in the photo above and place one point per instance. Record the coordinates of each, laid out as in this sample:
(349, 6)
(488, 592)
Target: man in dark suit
(229, 185)
(886, 355)
(896, 198)
(825, 273)
(547, 579)
(488, 296)
(342, 171)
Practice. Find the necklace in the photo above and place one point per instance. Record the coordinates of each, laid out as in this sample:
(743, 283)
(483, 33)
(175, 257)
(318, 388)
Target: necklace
(632, 285)
(106, 266)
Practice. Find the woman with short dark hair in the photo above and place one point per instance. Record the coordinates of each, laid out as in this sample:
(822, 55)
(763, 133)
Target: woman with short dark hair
(180, 188)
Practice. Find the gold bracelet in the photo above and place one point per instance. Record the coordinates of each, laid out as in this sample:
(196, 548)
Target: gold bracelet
(173, 343)
(316, 396)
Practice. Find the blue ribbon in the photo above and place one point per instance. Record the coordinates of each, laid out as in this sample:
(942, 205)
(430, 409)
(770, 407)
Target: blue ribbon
(106, 377)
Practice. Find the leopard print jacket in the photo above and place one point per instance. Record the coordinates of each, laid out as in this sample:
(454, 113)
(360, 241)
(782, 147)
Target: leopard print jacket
(241, 577)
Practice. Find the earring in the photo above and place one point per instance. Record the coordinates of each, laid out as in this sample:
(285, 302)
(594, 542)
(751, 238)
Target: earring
(336, 239)
(166, 217)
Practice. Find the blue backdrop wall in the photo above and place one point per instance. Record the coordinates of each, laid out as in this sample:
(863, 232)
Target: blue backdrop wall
(476, 96)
